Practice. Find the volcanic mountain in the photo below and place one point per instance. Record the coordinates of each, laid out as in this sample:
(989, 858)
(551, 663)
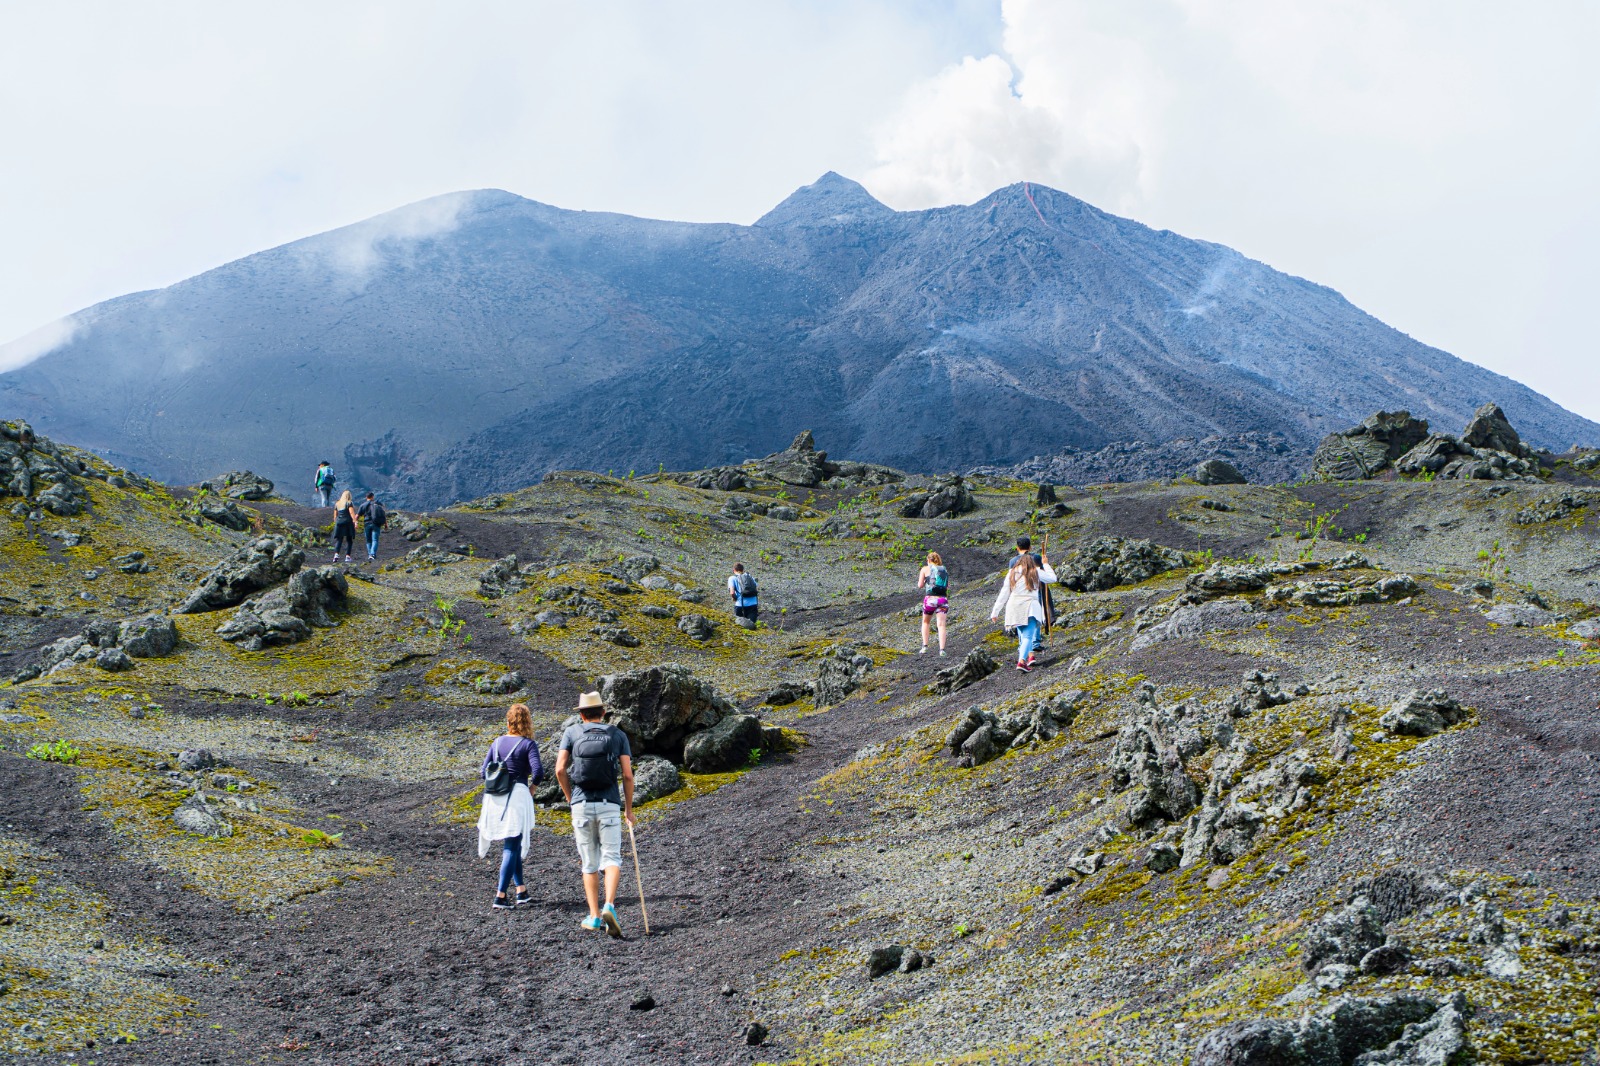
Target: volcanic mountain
(471, 342)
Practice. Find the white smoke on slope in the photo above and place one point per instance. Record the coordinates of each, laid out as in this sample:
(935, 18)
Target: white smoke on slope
(39, 343)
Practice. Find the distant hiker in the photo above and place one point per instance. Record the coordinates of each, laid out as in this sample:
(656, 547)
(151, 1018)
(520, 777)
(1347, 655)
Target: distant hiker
(323, 483)
(1025, 546)
(934, 581)
(1022, 599)
(344, 526)
(373, 519)
(742, 587)
(593, 760)
(510, 770)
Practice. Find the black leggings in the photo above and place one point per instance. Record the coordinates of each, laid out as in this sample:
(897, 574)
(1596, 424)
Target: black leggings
(343, 535)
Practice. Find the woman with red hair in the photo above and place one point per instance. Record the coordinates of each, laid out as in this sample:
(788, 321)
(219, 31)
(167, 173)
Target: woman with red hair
(508, 816)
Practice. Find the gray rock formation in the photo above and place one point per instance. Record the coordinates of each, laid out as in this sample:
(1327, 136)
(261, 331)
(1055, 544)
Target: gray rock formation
(725, 746)
(1149, 760)
(976, 665)
(1422, 714)
(500, 579)
(653, 778)
(1488, 449)
(287, 615)
(660, 706)
(224, 513)
(1364, 451)
(1396, 1029)
(943, 499)
(1218, 472)
(838, 675)
(697, 627)
(239, 485)
(1263, 458)
(150, 637)
(1106, 562)
(262, 563)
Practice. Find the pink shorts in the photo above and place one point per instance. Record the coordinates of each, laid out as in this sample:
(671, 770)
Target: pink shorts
(935, 605)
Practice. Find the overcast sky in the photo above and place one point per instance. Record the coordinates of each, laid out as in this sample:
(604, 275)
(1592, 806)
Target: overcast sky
(1434, 161)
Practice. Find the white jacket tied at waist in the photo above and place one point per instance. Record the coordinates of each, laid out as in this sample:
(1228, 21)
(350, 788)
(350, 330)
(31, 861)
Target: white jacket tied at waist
(1019, 603)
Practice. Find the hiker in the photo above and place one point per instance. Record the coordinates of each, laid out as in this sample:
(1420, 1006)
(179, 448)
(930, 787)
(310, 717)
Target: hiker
(510, 770)
(742, 587)
(934, 581)
(323, 483)
(1022, 599)
(373, 519)
(1025, 545)
(594, 760)
(344, 526)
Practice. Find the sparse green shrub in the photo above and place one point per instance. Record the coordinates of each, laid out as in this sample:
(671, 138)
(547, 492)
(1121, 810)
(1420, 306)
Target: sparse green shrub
(755, 756)
(318, 839)
(55, 751)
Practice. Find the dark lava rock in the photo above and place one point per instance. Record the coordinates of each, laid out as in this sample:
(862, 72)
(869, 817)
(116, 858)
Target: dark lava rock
(286, 615)
(149, 637)
(1388, 1029)
(787, 692)
(262, 563)
(839, 675)
(198, 759)
(945, 499)
(1106, 562)
(1218, 472)
(974, 667)
(1490, 429)
(660, 706)
(1265, 458)
(725, 746)
(697, 627)
(224, 513)
(654, 777)
(1422, 714)
(643, 1001)
(1162, 858)
(1364, 451)
(239, 485)
(799, 464)
(884, 960)
(113, 659)
(618, 635)
(755, 1034)
(1344, 935)
(501, 579)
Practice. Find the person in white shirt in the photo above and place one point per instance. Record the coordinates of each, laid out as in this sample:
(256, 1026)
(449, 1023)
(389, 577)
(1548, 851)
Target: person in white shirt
(1022, 601)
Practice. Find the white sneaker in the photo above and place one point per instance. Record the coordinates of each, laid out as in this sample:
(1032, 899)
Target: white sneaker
(941, 653)
(924, 650)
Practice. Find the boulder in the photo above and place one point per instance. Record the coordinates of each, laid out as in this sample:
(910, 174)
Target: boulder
(198, 817)
(224, 513)
(660, 706)
(1106, 562)
(1226, 579)
(1218, 472)
(430, 555)
(1194, 620)
(1149, 761)
(193, 760)
(113, 659)
(1431, 456)
(264, 562)
(1520, 614)
(1588, 629)
(654, 777)
(150, 637)
(491, 684)
(1490, 429)
(1162, 858)
(725, 746)
(724, 479)
(1394, 1029)
(1422, 714)
(697, 627)
(782, 512)
(787, 692)
(239, 485)
(884, 960)
(976, 665)
(1364, 451)
(839, 675)
(615, 634)
(1344, 936)
(286, 615)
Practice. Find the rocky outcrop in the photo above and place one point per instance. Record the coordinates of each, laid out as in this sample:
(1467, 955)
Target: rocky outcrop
(1364, 451)
(1217, 472)
(1264, 458)
(239, 485)
(501, 579)
(660, 706)
(1422, 714)
(697, 627)
(980, 735)
(1324, 593)
(287, 615)
(224, 513)
(1489, 449)
(1149, 760)
(839, 675)
(976, 665)
(1397, 1029)
(653, 778)
(109, 645)
(44, 475)
(262, 563)
(943, 499)
(801, 464)
(1193, 620)
(1106, 562)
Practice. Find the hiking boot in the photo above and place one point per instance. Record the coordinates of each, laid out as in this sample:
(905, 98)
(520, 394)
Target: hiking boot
(608, 915)
(592, 923)
(502, 903)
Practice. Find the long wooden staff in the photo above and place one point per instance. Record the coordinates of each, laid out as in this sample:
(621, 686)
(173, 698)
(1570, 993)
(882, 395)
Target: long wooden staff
(638, 879)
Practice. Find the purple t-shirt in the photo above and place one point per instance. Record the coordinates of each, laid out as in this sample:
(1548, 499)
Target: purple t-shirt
(521, 757)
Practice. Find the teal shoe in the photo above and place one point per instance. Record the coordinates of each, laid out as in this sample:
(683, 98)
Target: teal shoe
(608, 915)
(593, 923)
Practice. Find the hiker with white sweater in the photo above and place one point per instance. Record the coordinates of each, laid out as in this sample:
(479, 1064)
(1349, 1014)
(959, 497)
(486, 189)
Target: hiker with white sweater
(1022, 601)
(510, 769)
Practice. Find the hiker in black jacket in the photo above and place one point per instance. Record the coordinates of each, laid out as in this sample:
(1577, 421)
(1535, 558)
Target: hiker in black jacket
(373, 519)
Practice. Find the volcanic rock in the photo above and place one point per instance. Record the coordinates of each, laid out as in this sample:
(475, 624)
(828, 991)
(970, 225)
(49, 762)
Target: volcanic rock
(260, 564)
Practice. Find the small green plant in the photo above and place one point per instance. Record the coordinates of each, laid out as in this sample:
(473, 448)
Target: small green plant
(963, 930)
(55, 751)
(318, 839)
(1491, 559)
(1360, 538)
(755, 756)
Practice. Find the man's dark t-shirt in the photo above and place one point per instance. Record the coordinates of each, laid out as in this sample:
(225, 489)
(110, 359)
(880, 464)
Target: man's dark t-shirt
(616, 746)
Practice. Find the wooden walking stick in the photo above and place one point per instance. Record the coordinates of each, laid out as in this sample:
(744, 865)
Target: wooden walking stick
(638, 879)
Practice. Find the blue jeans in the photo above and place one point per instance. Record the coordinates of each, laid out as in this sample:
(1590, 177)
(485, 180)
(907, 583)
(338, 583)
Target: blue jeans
(372, 541)
(510, 863)
(1027, 637)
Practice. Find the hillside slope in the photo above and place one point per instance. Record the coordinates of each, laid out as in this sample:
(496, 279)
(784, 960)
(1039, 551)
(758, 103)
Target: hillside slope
(472, 342)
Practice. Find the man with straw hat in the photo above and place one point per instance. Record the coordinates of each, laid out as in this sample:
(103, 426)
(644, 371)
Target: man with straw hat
(593, 761)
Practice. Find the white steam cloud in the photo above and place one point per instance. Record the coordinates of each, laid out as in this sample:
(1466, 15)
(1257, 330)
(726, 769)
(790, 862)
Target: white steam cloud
(358, 250)
(39, 343)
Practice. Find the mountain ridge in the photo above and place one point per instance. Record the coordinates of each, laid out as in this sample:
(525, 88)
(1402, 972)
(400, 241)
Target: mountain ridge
(474, 340)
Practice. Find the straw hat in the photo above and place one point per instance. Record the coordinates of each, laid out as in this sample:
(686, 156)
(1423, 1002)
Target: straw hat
(589, 701)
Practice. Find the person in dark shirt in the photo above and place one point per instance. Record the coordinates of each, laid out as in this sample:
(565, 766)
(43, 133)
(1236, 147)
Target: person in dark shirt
(595, 770)
(510, 819)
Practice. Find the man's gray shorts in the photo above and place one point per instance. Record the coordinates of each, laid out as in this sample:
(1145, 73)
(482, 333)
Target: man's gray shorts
(597, 827)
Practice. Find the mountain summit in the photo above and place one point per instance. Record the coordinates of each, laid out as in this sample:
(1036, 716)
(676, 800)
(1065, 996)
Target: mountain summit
(473, 341)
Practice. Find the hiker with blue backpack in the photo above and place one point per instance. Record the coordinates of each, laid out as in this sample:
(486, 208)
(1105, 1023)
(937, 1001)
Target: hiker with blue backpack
(742, 587)
(595, 770)
(934, 581)
(510, 770)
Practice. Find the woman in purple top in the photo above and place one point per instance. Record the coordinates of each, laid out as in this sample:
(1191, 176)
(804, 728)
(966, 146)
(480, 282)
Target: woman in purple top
(509, 818)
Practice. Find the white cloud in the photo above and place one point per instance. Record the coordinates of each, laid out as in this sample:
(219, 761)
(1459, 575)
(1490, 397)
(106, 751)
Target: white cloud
(1429, 158)
(355, 250)
(40, 342)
